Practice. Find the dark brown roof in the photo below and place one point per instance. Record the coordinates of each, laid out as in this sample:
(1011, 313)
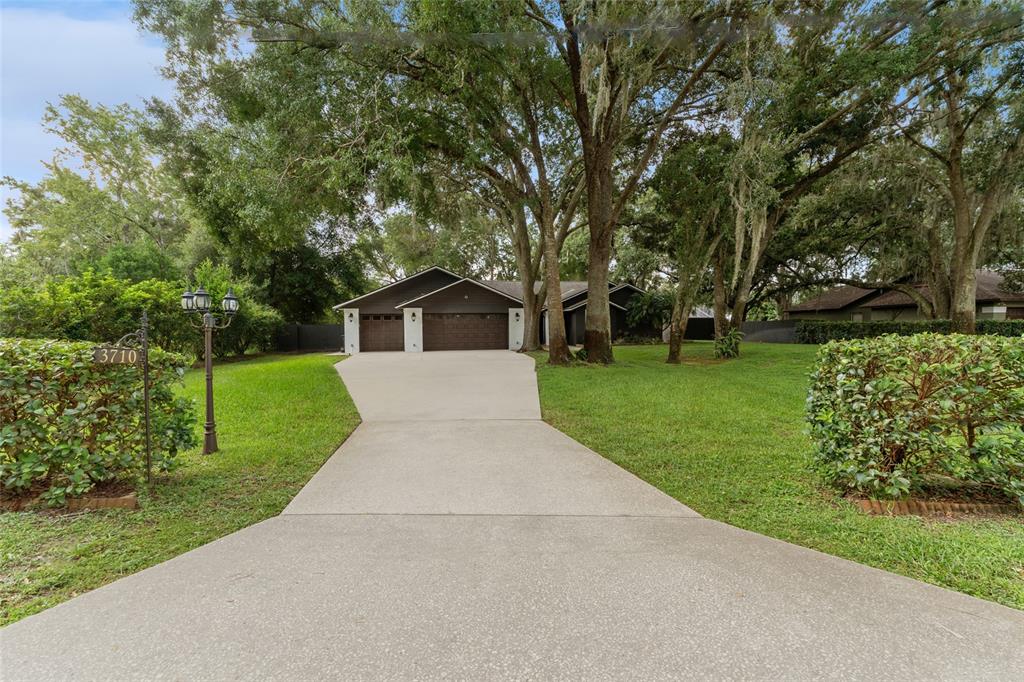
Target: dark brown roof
(569, 288)
(989, 291)
(990, 288)
(833, 299)
(510, 288)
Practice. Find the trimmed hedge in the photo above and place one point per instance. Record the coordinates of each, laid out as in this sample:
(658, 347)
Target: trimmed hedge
(67, 424)
(896, 413)
(823, 331)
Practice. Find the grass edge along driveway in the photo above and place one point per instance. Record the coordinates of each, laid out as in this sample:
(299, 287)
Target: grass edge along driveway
(278, 420)
(727, 439)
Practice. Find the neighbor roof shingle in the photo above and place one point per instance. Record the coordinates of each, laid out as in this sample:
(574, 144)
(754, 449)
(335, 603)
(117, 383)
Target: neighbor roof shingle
(833, 299)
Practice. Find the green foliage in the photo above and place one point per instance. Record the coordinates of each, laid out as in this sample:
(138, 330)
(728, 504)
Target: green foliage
(138, 261)
(253, 327)
(1000, 327)
(889, 414)
(823, 331)
(728, 345)
(651, 309)
(96, 307)
(105, 187)
(68, 424)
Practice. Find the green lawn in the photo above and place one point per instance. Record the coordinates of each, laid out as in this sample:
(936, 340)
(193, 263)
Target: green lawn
(278, 420)
(727, 439)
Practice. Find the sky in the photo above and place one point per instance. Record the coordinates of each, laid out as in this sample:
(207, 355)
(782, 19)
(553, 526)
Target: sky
(52, 47)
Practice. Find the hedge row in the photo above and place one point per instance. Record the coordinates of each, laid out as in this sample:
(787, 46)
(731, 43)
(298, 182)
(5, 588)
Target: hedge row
(893, 414)
(823, 331)
(98, 307)
(67, 424)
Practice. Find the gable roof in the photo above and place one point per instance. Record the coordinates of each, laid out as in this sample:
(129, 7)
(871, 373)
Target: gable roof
(464, 280)
(583, 303)
(833, 299)
(626, 285)
(990, 290)
(435, 268)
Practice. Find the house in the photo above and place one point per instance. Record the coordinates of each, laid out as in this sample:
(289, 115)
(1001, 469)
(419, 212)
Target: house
(435, 309)
(865, 305)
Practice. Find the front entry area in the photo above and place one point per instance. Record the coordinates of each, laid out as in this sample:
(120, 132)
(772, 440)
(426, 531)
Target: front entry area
(465, 331)
(381, 332)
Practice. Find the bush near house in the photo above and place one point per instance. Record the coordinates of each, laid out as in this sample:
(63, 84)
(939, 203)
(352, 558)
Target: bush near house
(823, 331)
(67, 424)
(896, 414)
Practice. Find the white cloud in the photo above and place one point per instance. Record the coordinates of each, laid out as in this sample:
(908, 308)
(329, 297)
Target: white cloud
(46, 53)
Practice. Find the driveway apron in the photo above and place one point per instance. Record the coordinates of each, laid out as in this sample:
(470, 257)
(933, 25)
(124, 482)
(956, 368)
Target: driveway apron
(456, 535)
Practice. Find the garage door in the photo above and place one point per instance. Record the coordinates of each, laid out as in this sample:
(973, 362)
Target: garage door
(381, 332)
(465, 331)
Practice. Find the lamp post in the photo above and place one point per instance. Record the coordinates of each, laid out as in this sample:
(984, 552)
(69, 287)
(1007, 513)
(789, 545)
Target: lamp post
(198, 303)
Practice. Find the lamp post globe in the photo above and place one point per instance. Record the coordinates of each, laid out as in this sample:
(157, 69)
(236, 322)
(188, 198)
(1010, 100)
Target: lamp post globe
(229, 304)
(202, 300)
(188, 301)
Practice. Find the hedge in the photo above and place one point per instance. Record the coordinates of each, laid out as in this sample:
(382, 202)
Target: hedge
(100, 308)
(67, 424)
(894, 414)
(823, 331)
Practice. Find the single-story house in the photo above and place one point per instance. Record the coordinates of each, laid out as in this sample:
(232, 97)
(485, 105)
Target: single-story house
(864, 305)
(435, 309)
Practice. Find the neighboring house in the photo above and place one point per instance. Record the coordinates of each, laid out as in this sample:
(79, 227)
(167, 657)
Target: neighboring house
(438, 310)
(865, 305)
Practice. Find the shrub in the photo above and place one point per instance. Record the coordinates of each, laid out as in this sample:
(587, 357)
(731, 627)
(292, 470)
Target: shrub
(892, 414)
(728, 345)
(67, 424)
(101, 308)
(823, 331)
(1000, 327)
(253, 328)
(96, 307)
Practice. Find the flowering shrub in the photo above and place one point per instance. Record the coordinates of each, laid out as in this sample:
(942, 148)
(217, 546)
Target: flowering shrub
(890, 413)
(67, 424)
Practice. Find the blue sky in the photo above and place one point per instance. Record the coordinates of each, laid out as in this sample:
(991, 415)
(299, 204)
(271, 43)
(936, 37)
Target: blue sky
(52, 47)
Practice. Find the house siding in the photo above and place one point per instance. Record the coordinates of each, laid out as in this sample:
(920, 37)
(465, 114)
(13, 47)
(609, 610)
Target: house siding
(466, 297)
(385, 301)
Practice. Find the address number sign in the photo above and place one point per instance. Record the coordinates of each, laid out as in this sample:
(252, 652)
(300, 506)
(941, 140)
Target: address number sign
(115, 355)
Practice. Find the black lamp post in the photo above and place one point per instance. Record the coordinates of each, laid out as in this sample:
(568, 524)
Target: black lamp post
(199, 303)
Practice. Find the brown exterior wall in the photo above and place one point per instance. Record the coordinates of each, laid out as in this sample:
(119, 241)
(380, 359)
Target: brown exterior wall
(386, 300)
(466, 297)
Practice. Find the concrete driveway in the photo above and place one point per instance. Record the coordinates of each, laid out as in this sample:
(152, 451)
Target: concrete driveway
(455, 535)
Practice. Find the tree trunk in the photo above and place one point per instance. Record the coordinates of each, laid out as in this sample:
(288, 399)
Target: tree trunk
(597, 338)
(721, 301)
(682, 306)
(558, 347)
(962, 311)
(675, 338)
(531, 315)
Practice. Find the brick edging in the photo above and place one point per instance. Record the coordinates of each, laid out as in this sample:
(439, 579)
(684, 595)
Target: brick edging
(926, 507)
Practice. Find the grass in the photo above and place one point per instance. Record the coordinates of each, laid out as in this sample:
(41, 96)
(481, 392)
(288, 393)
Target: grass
(278, 419)
(727, 439)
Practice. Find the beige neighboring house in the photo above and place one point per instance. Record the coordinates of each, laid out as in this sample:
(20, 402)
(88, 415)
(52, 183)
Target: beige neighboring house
(866, 305)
